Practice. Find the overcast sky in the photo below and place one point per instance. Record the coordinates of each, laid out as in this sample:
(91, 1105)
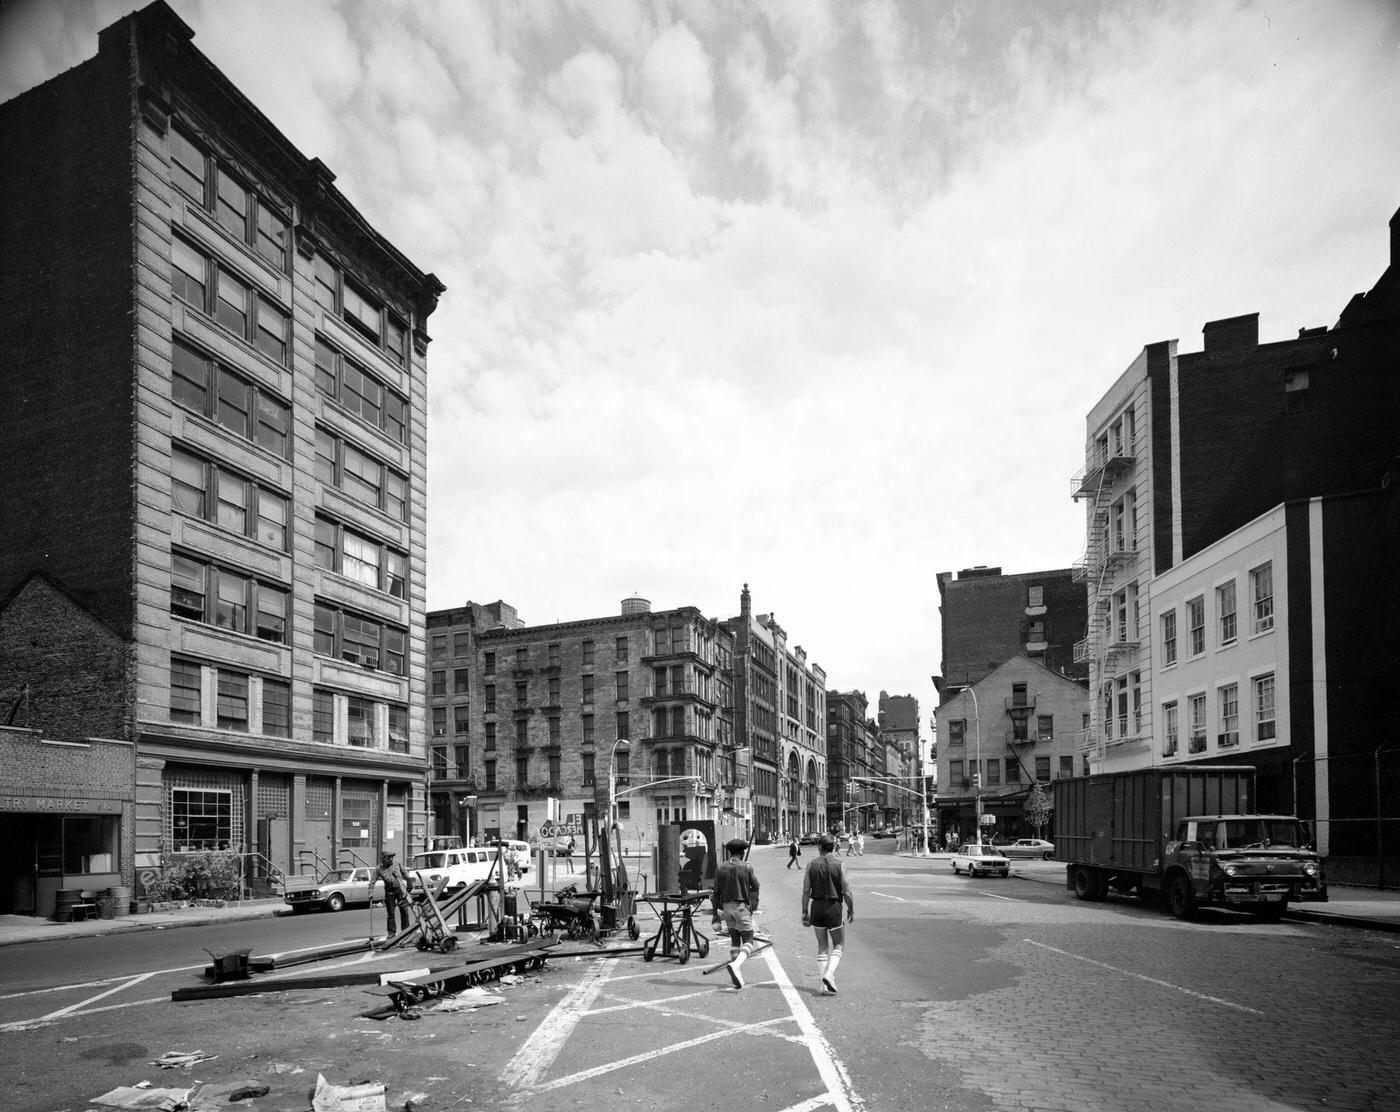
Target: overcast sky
(813, 296)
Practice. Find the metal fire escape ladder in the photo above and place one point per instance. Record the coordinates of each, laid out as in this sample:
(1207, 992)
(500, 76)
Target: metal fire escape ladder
(1094, 648)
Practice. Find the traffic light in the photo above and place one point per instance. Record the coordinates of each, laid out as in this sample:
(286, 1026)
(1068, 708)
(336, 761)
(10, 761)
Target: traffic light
(976, 779)
(849, 785)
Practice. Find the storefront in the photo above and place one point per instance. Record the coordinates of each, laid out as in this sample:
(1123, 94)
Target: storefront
(54, 844)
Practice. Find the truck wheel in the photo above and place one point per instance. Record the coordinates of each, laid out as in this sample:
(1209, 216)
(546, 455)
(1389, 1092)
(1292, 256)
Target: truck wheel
(1181, 901)
(1085, 884)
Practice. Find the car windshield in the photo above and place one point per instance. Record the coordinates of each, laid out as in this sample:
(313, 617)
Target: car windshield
(335, 876)
(430, 861)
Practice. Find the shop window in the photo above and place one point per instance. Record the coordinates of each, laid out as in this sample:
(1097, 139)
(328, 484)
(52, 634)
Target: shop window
(201, 819)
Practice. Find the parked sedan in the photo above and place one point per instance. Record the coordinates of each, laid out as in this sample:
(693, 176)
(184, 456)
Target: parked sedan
(980, 860)
(335, 890)
(1028, 847)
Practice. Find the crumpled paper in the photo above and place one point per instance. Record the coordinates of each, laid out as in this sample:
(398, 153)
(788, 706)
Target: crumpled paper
(132, 1096)
(368, 1097)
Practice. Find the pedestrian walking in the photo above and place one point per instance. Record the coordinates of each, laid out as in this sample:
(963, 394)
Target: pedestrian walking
(396, 885)
(825, 893)
(735, 899)
(850, 840)
(794, 851)
(860, 844)
(568, 853)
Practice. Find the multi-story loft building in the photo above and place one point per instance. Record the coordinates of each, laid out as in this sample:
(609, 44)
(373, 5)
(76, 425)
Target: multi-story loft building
(899, 729)
(1243, 517)
(1186, 448)
(780, 719)
(1017, 726)
(215, 386)
(855, 763)
(642, 700)
(453, 780)
(988, 617)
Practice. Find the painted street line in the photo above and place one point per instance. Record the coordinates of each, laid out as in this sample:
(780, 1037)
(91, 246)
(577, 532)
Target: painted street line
(840, 1094)
(887, 896)
(529, 1064)
(660, 1052)
(1144, 977)
(79, 1007)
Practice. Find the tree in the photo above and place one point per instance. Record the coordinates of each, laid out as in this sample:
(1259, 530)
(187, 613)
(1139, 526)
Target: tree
(1038, 808)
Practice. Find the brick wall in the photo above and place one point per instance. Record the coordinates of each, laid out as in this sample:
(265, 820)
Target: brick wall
(65, 320)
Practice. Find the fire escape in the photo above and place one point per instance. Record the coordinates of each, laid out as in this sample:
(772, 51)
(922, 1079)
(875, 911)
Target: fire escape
(1110, 642)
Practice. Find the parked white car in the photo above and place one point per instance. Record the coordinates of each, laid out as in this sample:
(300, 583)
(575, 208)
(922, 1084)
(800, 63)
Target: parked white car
(1028, 847)
(335, 890)
(980, 859)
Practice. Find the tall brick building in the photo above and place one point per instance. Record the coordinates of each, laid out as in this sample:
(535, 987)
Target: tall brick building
(989, 617)
(1241, 526)
(215, 386)
(521, 714)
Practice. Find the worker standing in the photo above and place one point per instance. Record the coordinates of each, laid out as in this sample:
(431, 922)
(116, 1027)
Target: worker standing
(396, 885)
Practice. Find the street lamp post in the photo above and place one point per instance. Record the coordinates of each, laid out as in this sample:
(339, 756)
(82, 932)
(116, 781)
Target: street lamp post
(612, 787)
(977, 780)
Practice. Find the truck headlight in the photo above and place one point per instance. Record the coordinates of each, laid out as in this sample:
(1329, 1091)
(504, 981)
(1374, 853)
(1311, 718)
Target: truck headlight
(1228, 870)
(1310, 868)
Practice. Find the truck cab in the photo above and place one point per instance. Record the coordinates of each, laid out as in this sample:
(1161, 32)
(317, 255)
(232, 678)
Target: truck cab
(1257, 863)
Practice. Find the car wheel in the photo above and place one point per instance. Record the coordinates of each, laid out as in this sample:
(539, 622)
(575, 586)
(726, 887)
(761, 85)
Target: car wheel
(336, 902)
(1047, 855)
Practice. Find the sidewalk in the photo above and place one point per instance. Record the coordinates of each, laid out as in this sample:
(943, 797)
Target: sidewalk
(1378, 909)
(29, 928)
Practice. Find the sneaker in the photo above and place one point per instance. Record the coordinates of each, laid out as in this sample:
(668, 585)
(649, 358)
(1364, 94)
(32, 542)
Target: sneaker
(829, 985)
(735, 976)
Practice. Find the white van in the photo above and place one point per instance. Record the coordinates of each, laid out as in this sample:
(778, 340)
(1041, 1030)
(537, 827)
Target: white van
(460, 866)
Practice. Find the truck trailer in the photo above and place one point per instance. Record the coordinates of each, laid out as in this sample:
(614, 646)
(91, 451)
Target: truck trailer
(1187, 834)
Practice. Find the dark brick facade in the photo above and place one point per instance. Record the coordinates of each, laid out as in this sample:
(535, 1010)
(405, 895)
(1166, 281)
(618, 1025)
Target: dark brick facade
(985, 624)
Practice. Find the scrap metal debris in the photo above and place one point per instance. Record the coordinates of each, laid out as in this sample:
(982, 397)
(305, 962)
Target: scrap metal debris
(182, 1059)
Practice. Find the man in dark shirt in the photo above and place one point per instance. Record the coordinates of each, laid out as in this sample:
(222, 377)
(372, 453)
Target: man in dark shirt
(824, 893)
(735, 898)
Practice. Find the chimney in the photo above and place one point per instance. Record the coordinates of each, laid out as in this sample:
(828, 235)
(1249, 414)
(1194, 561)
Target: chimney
(1232, 335)
(745, 604)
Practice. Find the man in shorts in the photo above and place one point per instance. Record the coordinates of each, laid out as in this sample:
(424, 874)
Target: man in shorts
(735, 899)
(825, 894)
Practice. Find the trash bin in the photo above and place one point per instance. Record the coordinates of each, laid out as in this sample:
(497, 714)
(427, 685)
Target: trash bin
(105, 906)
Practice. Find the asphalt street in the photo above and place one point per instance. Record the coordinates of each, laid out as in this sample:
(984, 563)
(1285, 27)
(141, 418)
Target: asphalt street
(956, 994)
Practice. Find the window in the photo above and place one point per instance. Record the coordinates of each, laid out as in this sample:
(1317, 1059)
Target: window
(205, 592)
(622, 724)
(522, 657)
(200, 820)
(353, 387)
(1125, 615)
(555, 732)
(490, 694)
(460, 680)
(461, 644)
(490, 735)
(232, 701)
(185, 691)
(588, 653)
(439, 762)
(522, 732)
(588, 731)
(993, 772)
(489, 661)
(1013, 770)
(554, 688)
(360, 722)
(1035, 595)
(1261, 593)
(1045, 727)
(957, 731)
(322, 716)
(1196, 705)
(1295, 390)
(439, 684)
(342, 465)
(522, 694)
(1169, 728)
(622, 689)
(461, 760)
(1225, 611)
(588, 689)
(215, 392)
(341, 297)
(398, 729)
(1067, 768)
(207, 284)
(366, 561)
(439, 715)
(620, 650)
(1228, 699)
(277, 708)
(1169, 638)
(522, 769)
(588, 773)
(490, 776)
(1265, 725)
(238, 209)
(1196, 625)
(359, 639)
(622, 769)
(461, 721)
(1042, 769)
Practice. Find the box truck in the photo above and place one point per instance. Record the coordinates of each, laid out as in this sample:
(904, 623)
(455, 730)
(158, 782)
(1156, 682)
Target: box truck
(1187, 834)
